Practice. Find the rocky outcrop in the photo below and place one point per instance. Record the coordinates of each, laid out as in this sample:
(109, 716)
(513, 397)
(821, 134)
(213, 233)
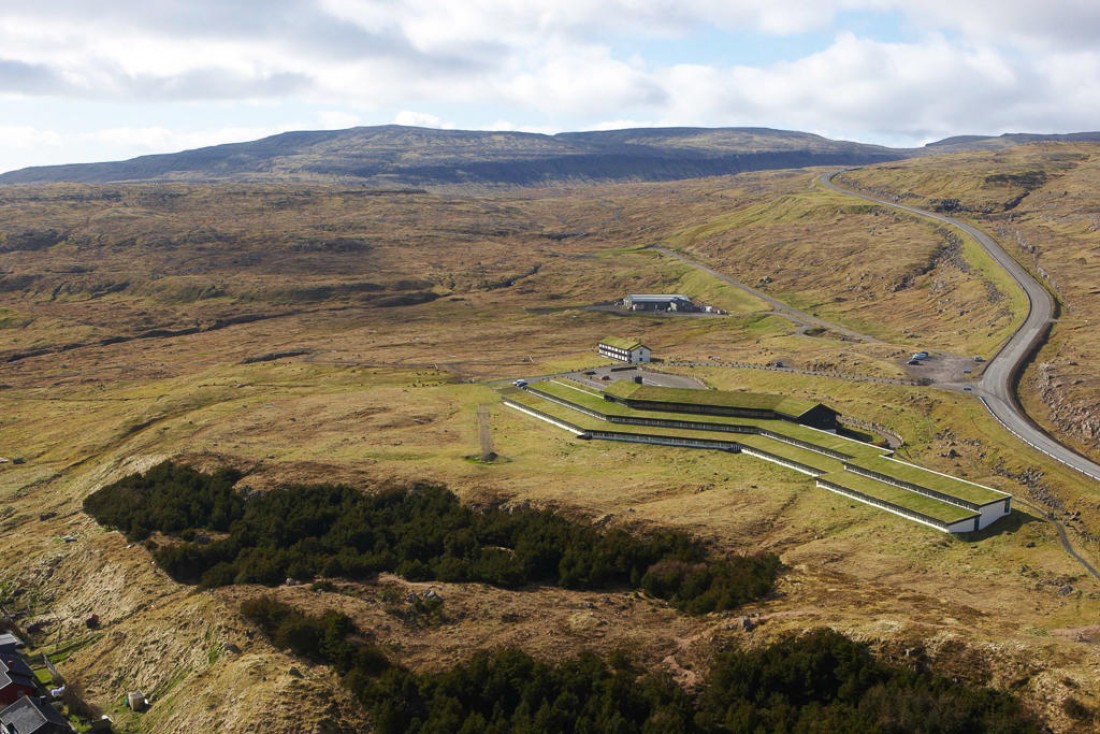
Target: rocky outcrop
(1070, 408)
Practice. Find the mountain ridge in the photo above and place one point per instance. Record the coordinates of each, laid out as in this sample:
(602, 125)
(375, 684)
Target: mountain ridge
(396, 155)
(399, 155)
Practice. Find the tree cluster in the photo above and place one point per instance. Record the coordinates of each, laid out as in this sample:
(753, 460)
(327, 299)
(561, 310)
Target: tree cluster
(169, 498)
(698, 588)
(330, 638)
(422, 534)
(825, 682)
(819, 682)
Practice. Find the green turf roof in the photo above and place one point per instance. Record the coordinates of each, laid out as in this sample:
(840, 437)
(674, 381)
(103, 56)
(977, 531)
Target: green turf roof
(587, 398)
(587, 423)
(867, 456)
(923, 504)
(717, 398)
(787, 451)
(621, 343)
(778, 448)
(932, 480)
(531, 400)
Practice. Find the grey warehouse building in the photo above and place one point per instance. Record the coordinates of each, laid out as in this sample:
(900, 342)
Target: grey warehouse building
(658, 302)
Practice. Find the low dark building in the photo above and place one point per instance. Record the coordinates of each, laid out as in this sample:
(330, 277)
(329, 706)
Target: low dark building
(32, 716)
(16, 679)
(658, 302)
(9, 643)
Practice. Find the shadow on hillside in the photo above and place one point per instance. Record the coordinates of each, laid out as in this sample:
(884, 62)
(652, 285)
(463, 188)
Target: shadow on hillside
(1005, 526)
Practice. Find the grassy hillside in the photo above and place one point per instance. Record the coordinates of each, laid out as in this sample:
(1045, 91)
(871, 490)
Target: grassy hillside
(1039, 202)
(889, 275)
(305, 334)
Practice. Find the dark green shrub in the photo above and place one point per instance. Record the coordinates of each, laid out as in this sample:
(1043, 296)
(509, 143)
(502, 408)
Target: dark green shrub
(423, 534)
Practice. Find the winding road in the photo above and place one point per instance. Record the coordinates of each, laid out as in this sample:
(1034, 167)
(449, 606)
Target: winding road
(996, 389)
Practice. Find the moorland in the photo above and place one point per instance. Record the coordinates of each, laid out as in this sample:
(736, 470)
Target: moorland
(323, 332)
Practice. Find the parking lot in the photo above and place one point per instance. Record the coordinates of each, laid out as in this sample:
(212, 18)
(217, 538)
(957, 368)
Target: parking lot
(609, 373)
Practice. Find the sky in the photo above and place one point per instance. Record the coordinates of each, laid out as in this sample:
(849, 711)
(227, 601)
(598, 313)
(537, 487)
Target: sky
(83, 81)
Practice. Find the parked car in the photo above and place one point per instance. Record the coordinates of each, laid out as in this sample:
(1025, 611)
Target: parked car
(520, 383)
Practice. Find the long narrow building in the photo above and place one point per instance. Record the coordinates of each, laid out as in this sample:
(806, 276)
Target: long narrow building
(767, 427)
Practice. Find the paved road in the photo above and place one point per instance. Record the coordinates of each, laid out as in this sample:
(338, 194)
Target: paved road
(804, 320)
(997, 387)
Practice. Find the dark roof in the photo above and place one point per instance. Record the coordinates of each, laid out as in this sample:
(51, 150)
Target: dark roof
(31, 716)
(9, 641)
(14, 669)
(657, 297)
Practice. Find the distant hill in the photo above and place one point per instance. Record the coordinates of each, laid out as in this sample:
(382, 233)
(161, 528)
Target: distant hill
(393, 155)
(1007, 140)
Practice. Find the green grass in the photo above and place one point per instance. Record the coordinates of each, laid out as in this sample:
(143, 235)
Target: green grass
(792, 453)
(789, 208)
(870, 457)
(61, 652)
(12, 319)
(986, 343)
(705, 288)
(931, 480)
(715, 398)
(592, 400)
(902, 498)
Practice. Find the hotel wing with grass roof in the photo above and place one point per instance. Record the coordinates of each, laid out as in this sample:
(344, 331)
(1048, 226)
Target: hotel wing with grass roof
(770, 427)
(720, 402)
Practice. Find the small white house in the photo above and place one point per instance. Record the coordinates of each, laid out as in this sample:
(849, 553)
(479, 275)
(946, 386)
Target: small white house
(630, 351)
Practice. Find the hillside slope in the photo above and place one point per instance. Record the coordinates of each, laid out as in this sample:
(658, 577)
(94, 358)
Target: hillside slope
(1038, 200)
(337, 333)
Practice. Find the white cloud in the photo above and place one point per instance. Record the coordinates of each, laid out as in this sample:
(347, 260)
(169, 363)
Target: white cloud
(338, 120)
(421, 119)
(582, 79)
(917, 90)
(1052, 24)
(974, 66)
(24, 137)
(156, 139)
